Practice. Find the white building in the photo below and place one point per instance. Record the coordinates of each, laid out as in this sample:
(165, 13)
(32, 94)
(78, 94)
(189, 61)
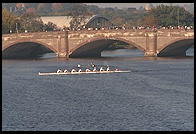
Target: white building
(60, 21)
(90, 21)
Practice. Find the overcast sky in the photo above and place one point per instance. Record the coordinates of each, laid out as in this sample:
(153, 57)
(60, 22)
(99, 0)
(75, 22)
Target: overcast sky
(127, 5)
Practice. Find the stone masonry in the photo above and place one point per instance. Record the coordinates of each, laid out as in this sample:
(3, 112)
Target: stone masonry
(84, 42)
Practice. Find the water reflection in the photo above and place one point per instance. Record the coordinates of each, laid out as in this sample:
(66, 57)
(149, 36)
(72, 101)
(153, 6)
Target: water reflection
(118, 54)
(163, 86)
(121, 53)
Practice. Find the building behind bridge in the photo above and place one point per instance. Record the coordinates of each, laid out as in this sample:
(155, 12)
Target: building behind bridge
(94, 21)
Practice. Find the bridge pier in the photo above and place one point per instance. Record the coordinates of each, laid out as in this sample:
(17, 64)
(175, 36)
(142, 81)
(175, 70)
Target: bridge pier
(63, 55)
(63, 46)
(150, 54)
(151, 44)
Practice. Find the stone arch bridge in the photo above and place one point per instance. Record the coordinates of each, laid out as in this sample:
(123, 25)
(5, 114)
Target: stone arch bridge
(86, 43)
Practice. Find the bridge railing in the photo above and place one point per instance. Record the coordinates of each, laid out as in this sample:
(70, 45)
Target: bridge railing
(99, 31)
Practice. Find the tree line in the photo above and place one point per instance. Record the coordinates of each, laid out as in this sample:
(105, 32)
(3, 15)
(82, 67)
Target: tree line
(28, 18)
(27, 22)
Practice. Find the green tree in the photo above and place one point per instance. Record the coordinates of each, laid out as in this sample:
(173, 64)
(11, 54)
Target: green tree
(50, 27)
(172, 15)
(148, 20)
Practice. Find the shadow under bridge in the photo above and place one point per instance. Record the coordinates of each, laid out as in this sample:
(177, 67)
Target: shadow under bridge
(94, 48)
(24, 50)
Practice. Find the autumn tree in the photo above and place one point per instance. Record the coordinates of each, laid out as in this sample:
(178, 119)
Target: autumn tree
(57, 8)
(118, 21)
(30, 21)
(50, 27)
(44, 9)
(79, 13)
(9, 21)
(148, 20)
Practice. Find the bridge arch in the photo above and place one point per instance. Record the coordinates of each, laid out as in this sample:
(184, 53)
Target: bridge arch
(23, 41)
(175, 47)
(111, 39)
(25, 49)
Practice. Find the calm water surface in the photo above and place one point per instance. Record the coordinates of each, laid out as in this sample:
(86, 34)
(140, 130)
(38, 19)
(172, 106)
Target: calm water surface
(157, 95)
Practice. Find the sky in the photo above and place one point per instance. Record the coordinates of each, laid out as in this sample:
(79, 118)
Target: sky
(136, 5)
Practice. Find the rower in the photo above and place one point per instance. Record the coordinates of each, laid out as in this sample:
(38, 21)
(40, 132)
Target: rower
(73, 70)
(65, 71)
(116, 69)
(88, 70)
(101, 69)
(94, 69)
(80, 70)
(92, 65)
(79, 66)
(59, 71)
(108, 68)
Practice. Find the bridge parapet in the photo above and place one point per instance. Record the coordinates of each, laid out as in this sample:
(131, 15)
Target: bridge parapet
(36, 35)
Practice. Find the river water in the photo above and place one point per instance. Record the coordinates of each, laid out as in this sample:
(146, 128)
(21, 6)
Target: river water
(157, 95)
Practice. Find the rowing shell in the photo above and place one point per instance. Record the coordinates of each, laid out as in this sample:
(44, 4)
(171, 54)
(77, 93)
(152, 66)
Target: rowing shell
(98, 72)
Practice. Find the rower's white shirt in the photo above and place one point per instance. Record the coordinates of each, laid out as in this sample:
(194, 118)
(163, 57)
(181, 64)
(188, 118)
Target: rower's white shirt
(59, 71)
(73, 70)
(101, 69)
(94, 69)
(87, 70)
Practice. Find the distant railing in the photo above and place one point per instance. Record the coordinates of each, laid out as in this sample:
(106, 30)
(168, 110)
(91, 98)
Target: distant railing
(134, 29)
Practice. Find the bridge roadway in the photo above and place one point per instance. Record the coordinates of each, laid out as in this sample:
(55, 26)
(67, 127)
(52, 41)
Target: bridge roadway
(86, 43)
